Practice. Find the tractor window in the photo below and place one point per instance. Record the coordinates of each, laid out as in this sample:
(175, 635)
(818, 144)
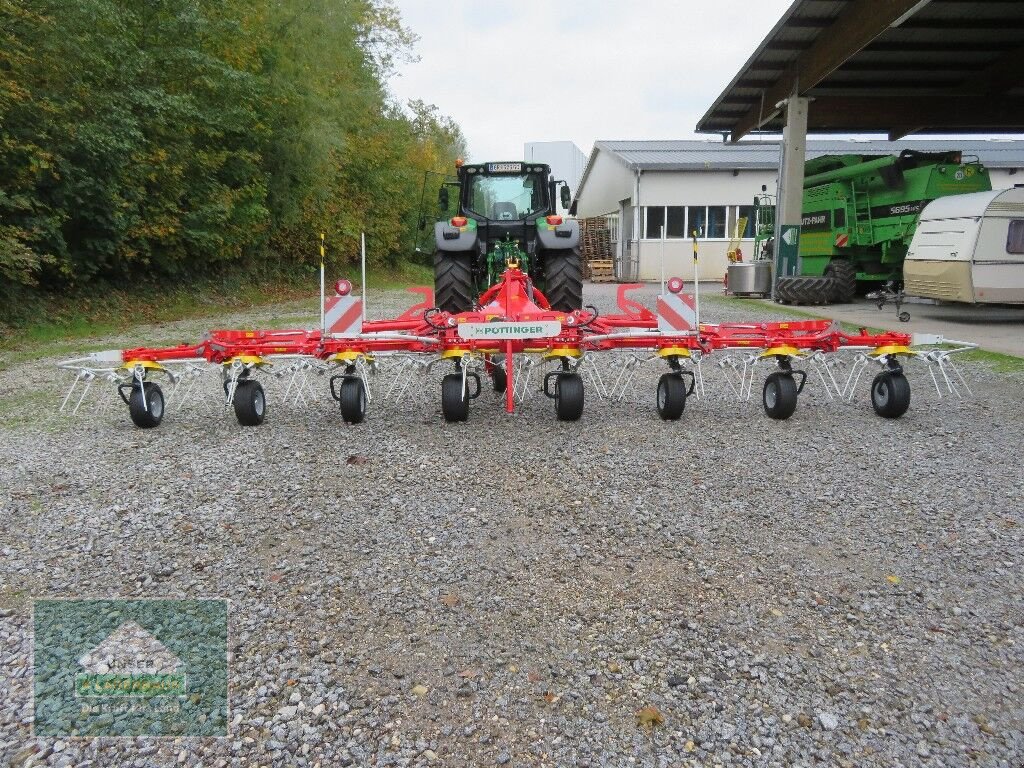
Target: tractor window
(506, 198)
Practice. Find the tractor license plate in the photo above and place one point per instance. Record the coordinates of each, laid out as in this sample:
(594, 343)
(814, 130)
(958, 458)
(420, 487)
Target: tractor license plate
(504, 167)
(538, 329)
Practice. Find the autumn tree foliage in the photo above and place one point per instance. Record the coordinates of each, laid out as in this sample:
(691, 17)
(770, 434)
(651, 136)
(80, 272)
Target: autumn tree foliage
(169, 139)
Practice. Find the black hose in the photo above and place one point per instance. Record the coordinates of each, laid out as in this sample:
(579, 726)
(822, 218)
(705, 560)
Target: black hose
(595, 313)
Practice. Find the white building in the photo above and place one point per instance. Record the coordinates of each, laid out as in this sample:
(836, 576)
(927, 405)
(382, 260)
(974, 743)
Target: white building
(655, 192)
(565, 158)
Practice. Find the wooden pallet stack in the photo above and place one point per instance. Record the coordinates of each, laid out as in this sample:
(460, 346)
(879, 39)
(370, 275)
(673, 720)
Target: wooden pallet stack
(596, 249)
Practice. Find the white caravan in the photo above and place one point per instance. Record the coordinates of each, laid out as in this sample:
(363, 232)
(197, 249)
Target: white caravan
(969, 248)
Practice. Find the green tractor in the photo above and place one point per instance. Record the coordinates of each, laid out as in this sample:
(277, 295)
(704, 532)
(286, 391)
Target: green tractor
(506, 215)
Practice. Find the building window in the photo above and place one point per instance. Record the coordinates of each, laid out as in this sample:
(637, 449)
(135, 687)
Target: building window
(676, 221)
(1015, 237)
(716, 221)
(655, 221)
(745, 212)
(697, 216)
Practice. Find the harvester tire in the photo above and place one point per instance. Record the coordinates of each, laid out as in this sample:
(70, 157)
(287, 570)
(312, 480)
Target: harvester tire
(890, 394)
(454, 398)
(569, 397)
(779, 395)
(563, 279)
(149, 412)
(353, 401)
(805, 290)
(671, 396)
(845, 274)
(250, 403)
(453, 281)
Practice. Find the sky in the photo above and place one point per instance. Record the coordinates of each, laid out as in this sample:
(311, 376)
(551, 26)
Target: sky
(529, 70)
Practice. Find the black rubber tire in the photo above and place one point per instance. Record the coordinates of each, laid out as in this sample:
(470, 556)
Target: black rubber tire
(250, 403)
(453, 281)
(569, 397)
(498, 379)
(563, 279)
(845, 275)
(352, 399)
(454, 401)
(805, 290)
(779, 395)
(890, 394)
(147, 413)
(671, 396)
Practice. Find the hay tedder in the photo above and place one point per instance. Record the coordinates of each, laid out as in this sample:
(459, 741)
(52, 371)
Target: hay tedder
(510, 334)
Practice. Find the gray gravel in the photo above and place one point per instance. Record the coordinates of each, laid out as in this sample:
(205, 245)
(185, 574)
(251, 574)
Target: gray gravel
(832, 590)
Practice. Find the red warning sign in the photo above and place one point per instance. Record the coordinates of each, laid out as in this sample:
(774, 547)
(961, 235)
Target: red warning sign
(343, 315)
(676, 312)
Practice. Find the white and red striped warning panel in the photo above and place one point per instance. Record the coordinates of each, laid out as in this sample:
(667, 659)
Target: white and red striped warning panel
(842, 241)
(343, 315)
(676, 312)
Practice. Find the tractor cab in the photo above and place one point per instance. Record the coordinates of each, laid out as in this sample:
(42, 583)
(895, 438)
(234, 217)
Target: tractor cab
(506, 214)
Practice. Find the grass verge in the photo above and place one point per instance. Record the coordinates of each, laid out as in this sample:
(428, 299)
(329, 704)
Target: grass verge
(61, 319)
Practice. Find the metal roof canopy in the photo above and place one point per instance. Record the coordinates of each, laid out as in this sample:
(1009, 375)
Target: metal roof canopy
(883, 66)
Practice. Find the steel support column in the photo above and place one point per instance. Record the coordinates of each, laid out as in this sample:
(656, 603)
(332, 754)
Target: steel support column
(789, 211)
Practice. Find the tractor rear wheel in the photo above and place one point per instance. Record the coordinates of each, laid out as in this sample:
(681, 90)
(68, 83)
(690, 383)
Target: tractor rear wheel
(453, 281)
(454, 398)
(563, 279)
(845, 275)
(805, 290)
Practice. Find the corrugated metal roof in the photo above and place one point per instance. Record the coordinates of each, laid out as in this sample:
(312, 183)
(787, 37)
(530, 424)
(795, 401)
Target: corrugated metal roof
(705, 155)
(714, 155)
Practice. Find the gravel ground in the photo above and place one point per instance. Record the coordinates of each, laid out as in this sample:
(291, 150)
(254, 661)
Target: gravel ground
(835, 589)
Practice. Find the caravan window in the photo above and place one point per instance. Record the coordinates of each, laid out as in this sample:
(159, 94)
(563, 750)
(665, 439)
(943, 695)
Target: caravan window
(1015, 237)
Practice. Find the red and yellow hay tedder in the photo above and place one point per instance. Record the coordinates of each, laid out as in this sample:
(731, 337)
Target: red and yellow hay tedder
(510, 330)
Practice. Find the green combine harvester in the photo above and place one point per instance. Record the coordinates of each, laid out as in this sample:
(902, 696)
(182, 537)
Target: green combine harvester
(859, 215)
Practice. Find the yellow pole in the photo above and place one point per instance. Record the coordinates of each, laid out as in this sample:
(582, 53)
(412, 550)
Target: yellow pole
(323, 316)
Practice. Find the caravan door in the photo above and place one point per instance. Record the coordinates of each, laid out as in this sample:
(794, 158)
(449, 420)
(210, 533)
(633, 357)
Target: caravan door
(998, 260)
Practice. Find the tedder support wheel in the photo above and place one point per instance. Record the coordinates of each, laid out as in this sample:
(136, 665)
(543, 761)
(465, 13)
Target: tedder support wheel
(890, 394)
(498, 379)
(779, 395)
(453, 281)
(563, 279)
(569, 397)
(353, 400)
(671, 396)
(454, 398)
(250, 403)
(845, 275)
(147, 411)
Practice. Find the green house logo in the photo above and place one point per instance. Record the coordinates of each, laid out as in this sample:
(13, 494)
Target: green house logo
(130, 662)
